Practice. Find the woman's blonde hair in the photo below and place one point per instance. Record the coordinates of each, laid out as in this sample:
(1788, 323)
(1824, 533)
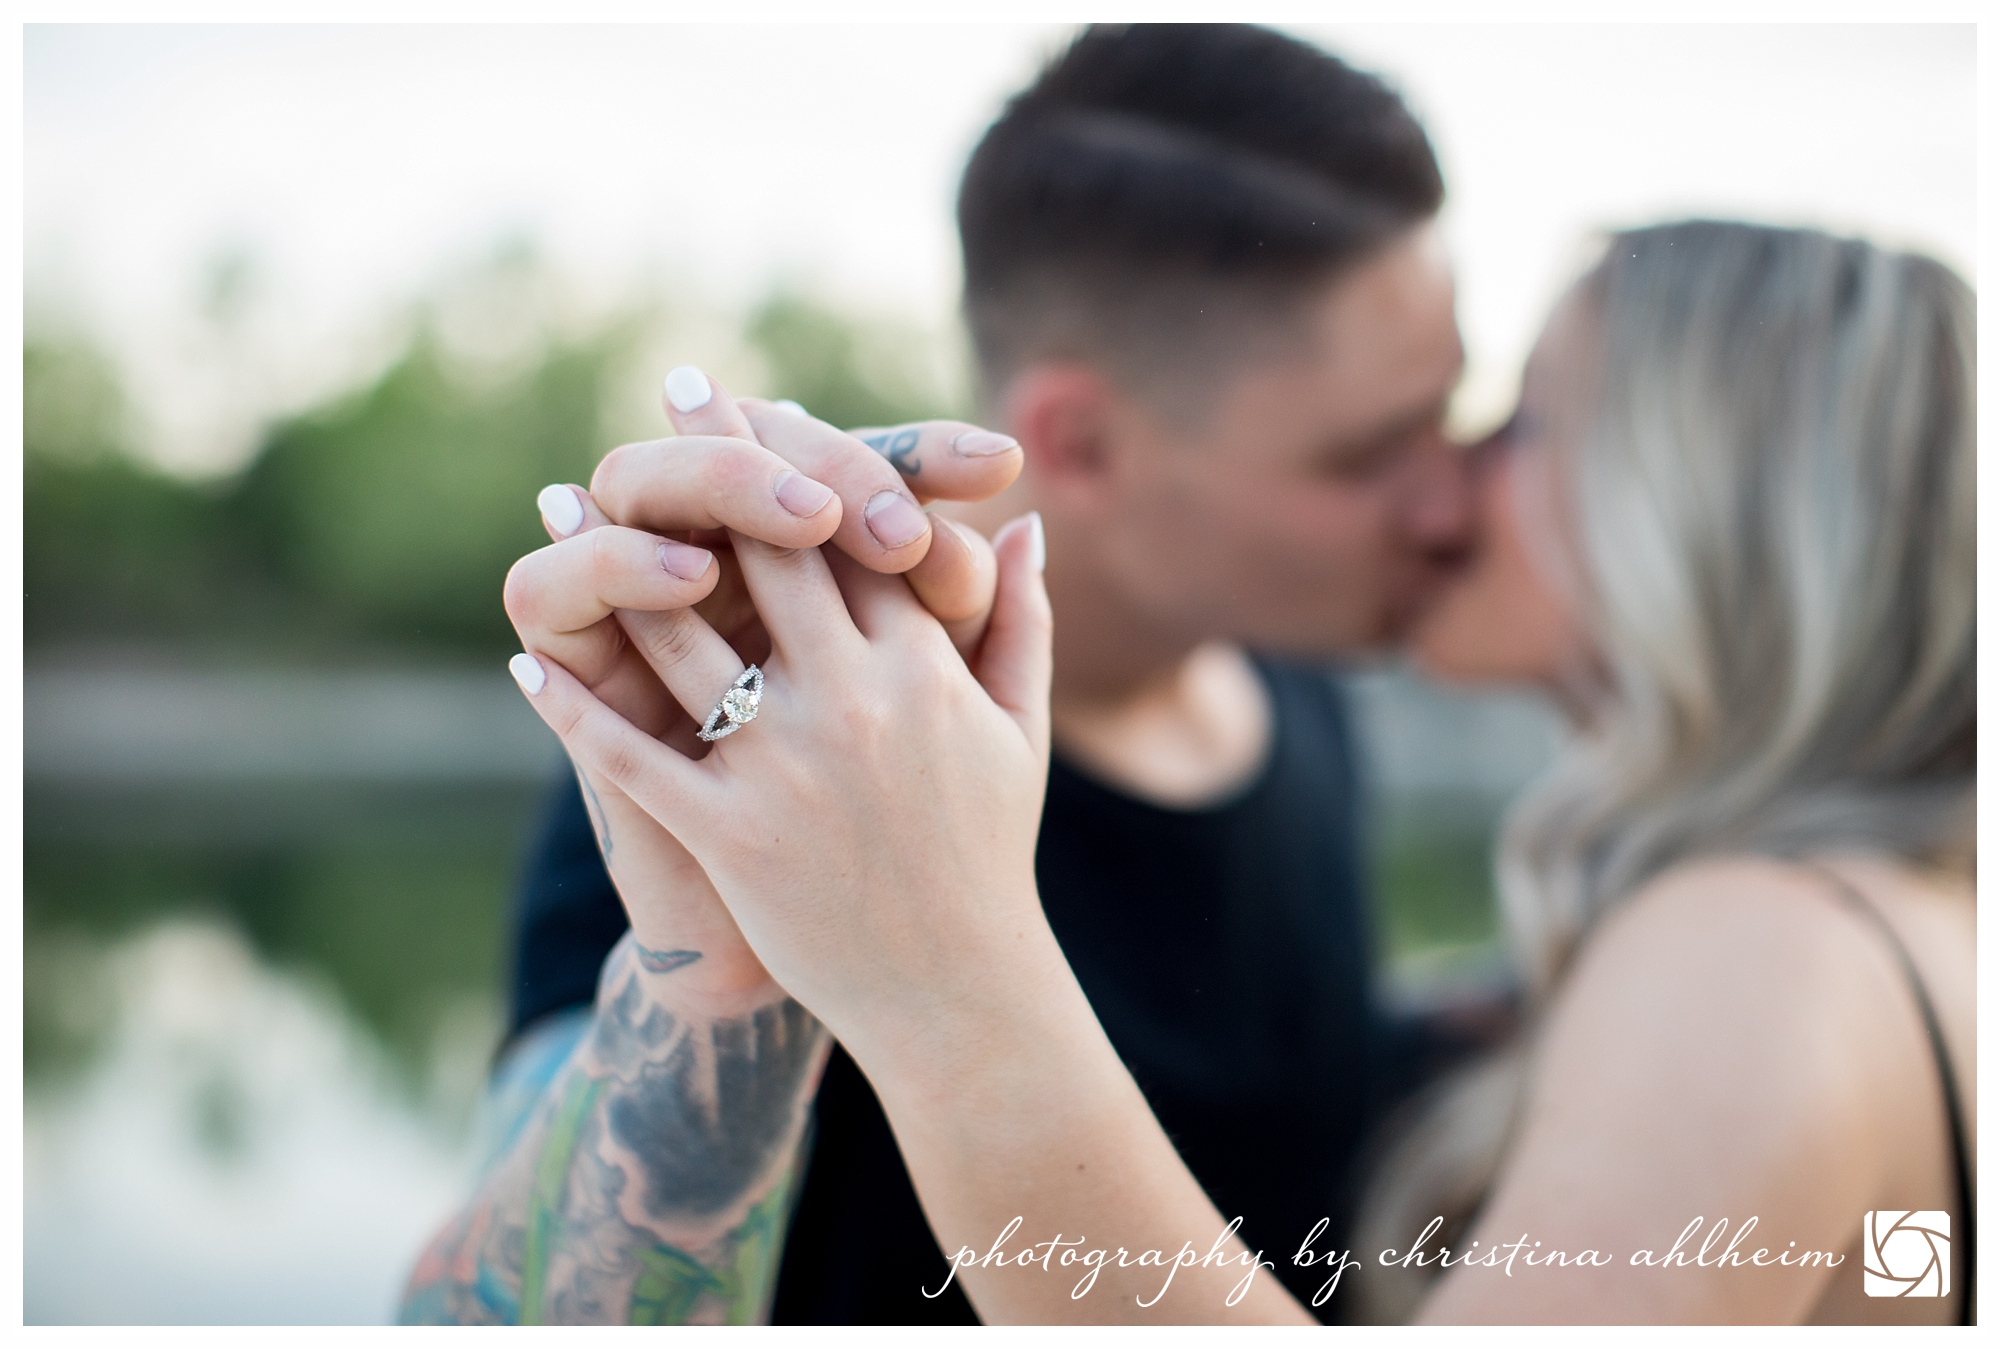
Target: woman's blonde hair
(1771, 525)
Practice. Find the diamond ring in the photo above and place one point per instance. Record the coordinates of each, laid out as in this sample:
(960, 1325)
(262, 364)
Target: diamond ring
(738, 706)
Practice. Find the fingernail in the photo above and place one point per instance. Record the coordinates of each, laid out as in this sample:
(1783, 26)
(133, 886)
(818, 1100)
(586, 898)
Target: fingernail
(685, 560)
(982, 444)
(560, 508)
(528, 673)
(894, 519)
(687, 388)
(1038, 543)
(790, 406)
(801, 495)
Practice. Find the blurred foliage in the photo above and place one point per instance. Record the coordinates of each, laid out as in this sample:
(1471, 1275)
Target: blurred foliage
(383, 518)
(401, 508)
(845, 373)
(75, 411)
(112, 549)
(386, 517)
(107, 542)
(401, 928)
(1434, 885)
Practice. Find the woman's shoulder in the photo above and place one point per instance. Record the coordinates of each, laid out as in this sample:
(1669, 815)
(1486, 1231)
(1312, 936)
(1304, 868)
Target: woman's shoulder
(1776, 928)
(1761, 970)
(1710, 1050)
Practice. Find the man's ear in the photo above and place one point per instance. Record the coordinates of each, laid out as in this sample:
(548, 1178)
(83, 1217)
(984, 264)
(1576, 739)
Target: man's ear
(1066, 417)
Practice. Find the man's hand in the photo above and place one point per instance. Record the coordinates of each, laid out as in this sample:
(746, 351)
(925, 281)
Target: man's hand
(646, 549)
(814, 484)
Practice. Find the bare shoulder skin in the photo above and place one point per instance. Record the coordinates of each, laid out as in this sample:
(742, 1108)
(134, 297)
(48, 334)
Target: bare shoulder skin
(1732, 1044)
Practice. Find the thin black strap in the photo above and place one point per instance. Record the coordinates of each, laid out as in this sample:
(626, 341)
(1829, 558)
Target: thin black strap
(1859, 902)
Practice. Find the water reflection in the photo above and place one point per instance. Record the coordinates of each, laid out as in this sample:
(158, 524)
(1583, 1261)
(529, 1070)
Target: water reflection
(263, 915)
(238, 1148)
(263, 933)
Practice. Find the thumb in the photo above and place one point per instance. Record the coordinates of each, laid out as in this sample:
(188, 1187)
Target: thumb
(1015, 659)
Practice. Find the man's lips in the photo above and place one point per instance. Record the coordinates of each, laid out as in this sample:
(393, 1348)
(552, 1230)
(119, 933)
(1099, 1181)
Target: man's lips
(1429, 582)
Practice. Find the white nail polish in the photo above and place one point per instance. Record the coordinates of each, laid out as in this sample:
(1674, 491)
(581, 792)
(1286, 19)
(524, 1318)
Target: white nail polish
(687, 388)
(1038, 543)
(528, 673)
(561, 509)
(790, 406)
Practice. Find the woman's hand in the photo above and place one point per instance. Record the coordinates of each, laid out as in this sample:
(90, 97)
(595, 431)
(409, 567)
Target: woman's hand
(771, 472)
(880, 775)
(872, 830)
(604, 594)
(655, 1180)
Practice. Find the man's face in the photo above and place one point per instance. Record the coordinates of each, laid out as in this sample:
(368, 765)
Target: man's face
(1318, 506)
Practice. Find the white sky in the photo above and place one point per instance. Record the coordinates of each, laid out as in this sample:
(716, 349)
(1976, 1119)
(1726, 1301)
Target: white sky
(357, 164)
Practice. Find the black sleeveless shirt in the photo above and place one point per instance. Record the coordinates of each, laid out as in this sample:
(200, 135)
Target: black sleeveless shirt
(1227, 952)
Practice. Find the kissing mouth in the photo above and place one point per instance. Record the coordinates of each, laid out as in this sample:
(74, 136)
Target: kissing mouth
(1432, 580)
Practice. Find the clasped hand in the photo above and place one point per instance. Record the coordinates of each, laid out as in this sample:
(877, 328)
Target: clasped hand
(873, 829)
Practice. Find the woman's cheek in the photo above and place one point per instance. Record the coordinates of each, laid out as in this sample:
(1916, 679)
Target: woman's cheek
(1503, 620)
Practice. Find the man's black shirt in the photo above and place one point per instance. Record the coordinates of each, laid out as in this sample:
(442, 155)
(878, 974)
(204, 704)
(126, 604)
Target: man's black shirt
(1226, 950)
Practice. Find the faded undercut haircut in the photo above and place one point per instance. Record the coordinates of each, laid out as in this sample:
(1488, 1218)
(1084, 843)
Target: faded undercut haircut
(1164, 193)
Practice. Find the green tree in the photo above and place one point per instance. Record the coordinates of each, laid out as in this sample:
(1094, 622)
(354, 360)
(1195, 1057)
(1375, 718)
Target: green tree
(386, 517)
(111, 550)
(846, 372)
(401, 508)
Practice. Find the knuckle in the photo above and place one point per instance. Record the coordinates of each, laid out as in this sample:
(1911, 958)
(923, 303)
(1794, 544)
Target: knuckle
(612, 470)
(734, 470)
(520, 593)
(567, 721)
(623, 763)
(864, 724)
(601, 559)
(715, 471)
(934, 661)
(625, 766)
(667, 639)
(790, 561)
(854, 459)
(952, 596)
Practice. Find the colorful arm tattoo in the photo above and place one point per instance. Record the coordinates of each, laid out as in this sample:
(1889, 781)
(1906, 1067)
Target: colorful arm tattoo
(654, 1182)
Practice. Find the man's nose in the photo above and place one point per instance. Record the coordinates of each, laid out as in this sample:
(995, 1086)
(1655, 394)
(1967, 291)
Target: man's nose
(1441, 508)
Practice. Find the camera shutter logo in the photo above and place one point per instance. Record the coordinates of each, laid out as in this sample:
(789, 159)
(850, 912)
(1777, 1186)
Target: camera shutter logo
(1906, 1253)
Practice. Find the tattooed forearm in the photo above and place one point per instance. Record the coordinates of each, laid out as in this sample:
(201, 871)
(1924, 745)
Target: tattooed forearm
(655, 1184)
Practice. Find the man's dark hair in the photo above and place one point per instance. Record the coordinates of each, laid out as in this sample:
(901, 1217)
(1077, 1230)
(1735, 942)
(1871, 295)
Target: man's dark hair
(1162, 187)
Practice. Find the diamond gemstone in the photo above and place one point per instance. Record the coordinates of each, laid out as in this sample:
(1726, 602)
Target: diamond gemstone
(739, 704)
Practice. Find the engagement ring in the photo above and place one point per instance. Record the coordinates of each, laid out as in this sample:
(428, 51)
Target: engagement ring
(738, 706)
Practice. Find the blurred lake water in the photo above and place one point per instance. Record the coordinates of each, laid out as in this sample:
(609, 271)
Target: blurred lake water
(263, 973)
(265, 912)
(237, 1148)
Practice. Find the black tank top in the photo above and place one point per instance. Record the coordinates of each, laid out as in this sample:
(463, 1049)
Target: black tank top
(1227, 953)
(1964, 1248)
